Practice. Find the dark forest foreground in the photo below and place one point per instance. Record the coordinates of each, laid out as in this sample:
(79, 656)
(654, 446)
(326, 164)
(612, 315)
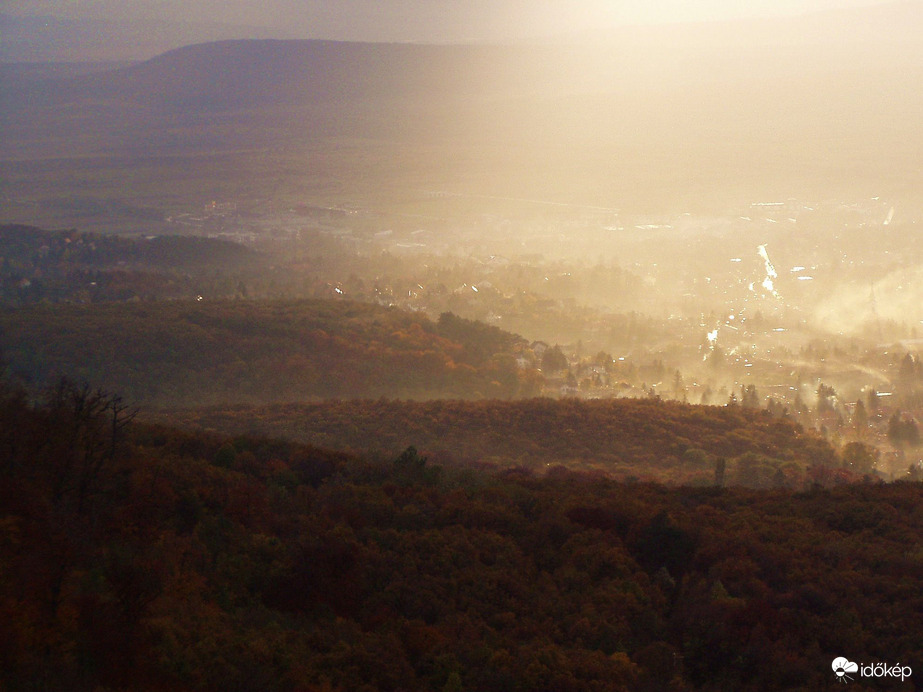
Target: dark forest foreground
(142, 557)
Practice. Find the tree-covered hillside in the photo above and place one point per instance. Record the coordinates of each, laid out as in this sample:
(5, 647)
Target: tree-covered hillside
(242, 351)
(138, 557)
(40, 266)
(27, 251)
(622, 438)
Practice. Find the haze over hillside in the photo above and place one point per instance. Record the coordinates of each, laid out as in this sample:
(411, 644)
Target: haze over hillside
(663, 115)
(134, 30)
(44, 38)
(607, 326)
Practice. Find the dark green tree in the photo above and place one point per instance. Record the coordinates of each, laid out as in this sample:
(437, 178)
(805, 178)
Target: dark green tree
(554, 359)
(860, 457)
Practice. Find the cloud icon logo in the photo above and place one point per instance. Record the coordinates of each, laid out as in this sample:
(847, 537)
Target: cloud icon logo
(842, 666)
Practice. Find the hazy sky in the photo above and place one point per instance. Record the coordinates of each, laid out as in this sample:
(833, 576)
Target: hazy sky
(425, 20)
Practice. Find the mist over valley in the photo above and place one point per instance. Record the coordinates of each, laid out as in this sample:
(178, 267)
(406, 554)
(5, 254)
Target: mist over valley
(574, 356)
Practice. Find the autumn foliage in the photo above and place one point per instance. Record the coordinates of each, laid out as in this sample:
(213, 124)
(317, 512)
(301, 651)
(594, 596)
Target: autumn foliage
(242, 351)
(142, 557)
(645, 439)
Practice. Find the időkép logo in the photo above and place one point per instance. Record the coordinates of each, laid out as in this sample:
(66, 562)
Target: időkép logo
(846, 670)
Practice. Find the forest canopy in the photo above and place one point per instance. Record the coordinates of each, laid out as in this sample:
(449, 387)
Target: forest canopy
(246, 351)
(143, 557)
(623, 438)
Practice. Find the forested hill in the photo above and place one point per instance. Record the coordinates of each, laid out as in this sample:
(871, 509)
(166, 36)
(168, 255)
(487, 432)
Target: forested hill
(193, 353)
(27, 252)
(144, 558)
(73, 266)
(623, 438)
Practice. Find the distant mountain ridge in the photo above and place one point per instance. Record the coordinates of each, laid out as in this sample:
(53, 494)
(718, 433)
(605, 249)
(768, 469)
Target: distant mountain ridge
(51, 39)
(802, 100)
(44, 38)
(233, 72)
(246, 73)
